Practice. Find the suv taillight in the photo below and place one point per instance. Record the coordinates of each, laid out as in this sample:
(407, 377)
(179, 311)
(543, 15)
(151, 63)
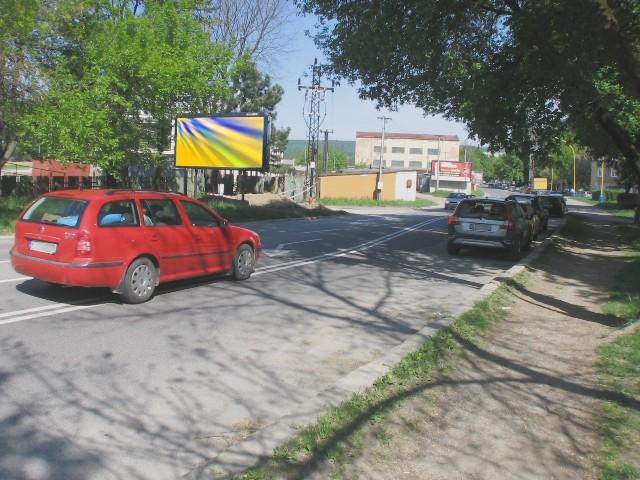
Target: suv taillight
(508, 225)
(83, 247)
(453, 220)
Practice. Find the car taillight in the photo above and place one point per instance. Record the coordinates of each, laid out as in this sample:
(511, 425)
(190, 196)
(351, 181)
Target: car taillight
(453, 220)
(83, 247)
(508, 225)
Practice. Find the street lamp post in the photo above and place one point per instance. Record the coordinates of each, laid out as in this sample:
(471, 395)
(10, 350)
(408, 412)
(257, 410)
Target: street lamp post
(573, 150)
(601, 199)
(379, 183)
(438, 166)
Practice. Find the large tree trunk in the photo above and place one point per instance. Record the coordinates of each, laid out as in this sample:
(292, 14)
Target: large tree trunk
(7, 152)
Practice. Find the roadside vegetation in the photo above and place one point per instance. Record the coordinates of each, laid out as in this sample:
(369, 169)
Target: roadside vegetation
(445, 194)
(619, 370)
(340, 433)
(242, 212)
(368, 202)
(611, 207)
(10, 208)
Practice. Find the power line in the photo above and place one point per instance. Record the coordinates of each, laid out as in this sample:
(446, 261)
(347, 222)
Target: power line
(314, 98)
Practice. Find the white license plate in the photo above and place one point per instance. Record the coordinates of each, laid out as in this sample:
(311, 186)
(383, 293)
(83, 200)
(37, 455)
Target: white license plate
(44, 247)
(479, 227)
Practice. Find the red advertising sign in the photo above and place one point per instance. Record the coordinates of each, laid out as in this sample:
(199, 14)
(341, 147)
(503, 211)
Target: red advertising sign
(452, 169)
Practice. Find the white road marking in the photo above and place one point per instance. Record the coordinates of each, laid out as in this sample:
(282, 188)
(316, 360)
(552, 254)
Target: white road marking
(16, 279)
(22, 318)
(5, 261)
(343, 252)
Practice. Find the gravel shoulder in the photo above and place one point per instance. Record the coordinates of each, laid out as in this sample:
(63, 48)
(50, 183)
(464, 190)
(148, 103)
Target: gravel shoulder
(523, 402)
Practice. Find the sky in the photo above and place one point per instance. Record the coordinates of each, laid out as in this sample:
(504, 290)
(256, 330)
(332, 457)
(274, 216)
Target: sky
(346, 113)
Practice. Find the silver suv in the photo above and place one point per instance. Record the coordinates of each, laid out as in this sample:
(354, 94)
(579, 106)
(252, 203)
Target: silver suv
(490, 224)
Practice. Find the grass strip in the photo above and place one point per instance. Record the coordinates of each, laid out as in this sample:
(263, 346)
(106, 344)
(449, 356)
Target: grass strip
(338, 434)
(619, 369)
(610, 207)
(10, 208)
(624, 302)
(445, 193)
(368, 202)
(238, 211)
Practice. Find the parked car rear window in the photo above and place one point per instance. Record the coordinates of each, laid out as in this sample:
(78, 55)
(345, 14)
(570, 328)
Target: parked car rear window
(118, 214)
(457, 195)
(159, 213)
(487, 210)
(56, 211)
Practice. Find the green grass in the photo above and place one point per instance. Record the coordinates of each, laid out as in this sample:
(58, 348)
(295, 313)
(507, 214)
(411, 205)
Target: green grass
(611, 207)
(242, 212)
(445, 194)
(368, 202)
(338, 435)
(620, 370)
(10, 207)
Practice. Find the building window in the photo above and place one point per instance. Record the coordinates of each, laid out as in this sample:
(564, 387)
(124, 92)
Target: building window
(377, 149)
(613, 173)
(433, 151)
(415, 151)
(415, 164)
(397, 163)
(376, 163)
(397, 149)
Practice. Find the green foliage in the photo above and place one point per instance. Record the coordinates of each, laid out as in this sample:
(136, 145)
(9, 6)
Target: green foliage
(237, 211)
(619, 369)
(338, 160)
(625, 299)
(369, 202)
(122, 78)
(518, 74)
(10, 208)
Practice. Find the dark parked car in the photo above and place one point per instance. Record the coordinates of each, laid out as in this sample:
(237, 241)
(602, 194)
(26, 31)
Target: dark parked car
(128, 241)
(453, 199)
(555, 204)
(489, 224)
(534, 208)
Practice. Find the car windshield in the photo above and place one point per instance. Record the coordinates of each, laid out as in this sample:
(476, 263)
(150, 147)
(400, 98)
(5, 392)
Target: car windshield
(456, 195)
(56, 211)
(487, 210)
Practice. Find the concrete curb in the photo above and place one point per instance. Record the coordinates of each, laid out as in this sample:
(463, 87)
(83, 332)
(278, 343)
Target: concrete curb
(261, 444)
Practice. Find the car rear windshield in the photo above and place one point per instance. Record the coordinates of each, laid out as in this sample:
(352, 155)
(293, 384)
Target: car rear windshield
(457, 195)
(486, 210)
(56, 211)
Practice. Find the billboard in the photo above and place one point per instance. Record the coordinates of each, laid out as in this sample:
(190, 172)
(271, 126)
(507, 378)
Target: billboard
(540, 183)
(452, 169)
(230, 141)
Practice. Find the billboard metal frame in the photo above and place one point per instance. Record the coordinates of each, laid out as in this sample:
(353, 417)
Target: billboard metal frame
(265, 140)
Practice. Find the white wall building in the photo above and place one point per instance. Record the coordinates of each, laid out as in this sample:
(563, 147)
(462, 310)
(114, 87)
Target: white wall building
(405, 150)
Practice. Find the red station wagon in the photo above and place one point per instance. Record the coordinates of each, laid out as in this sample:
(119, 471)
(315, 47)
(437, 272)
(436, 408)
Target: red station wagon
(128, 241)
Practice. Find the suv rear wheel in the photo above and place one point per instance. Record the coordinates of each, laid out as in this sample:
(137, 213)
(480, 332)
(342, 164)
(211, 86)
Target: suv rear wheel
(514, 250)
(139, 281)
(452, 249)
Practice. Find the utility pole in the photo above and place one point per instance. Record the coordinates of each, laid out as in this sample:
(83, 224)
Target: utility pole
(326, 150)
(379, 183)
(314, 96)
(438, 164)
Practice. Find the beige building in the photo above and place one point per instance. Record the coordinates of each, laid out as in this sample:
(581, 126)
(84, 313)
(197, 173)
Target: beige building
(405, 150)
(397, 185)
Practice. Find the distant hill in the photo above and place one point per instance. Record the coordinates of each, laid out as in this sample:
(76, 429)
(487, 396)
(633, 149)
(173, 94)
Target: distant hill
(346, 146)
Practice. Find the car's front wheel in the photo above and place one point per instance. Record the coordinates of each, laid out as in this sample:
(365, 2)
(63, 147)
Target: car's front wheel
(139, 281)
(243, 262)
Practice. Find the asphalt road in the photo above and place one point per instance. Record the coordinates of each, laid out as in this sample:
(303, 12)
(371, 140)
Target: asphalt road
(95, 389)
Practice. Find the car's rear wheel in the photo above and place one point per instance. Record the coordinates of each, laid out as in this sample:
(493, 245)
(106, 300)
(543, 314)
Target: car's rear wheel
(139, 281)
(514, 250)
(452, 249)
(527, 246)
(243, 262)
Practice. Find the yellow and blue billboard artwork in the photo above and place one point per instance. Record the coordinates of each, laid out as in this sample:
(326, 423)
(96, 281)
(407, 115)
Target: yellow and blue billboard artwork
(221, 142)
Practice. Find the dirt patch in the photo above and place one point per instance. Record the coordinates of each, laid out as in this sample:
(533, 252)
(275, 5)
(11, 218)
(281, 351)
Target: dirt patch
(524, 403)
